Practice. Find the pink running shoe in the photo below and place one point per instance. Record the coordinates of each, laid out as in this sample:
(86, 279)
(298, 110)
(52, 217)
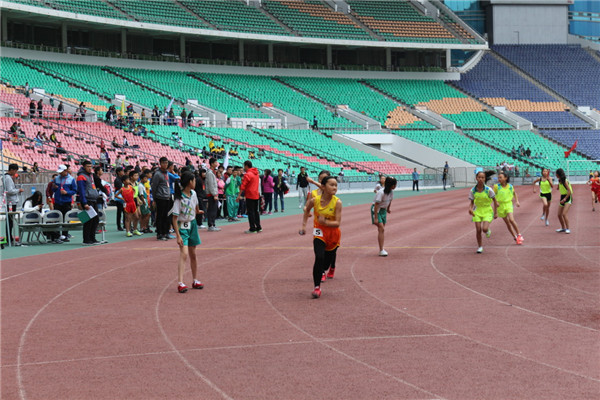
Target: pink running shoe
(330, 273)
(316, 293)
(182, 288)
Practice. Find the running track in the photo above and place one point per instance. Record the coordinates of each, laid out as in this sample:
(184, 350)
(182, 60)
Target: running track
(432, 320)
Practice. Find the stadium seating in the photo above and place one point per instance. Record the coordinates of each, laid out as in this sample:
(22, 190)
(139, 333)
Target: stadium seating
(312, 18)
(159, 12)
(21, 103)
(441, 99)
(580, 69)
(496, 84)
(553, 155)
(460, 146)
(352, 93)
(264, 89)
(588, 141)
(399, 21)
(235, 16)
(184, 87)
(18, 74)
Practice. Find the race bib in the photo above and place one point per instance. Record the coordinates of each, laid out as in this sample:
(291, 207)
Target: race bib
(185, 225)
(317, 232)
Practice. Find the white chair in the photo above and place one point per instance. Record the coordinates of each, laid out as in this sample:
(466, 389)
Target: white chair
(72, 222)
(31, 224)
(52, 221)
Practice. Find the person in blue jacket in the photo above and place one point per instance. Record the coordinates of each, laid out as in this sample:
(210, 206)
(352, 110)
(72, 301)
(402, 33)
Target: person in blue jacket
(65, 188)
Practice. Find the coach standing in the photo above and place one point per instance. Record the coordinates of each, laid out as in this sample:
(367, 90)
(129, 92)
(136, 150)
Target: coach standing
(415, 179)
(250, 188)
(161, 195)
(88, 198)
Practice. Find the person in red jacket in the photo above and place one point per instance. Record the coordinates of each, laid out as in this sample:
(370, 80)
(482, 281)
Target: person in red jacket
(250, 188)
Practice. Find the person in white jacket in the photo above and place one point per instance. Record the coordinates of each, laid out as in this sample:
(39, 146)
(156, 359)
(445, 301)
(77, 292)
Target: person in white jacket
(12, 195)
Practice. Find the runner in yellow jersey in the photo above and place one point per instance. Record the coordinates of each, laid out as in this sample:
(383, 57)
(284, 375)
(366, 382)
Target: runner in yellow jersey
(326, 231)
(482, 197)
(505, 193)
(545, 193)
(566, 200)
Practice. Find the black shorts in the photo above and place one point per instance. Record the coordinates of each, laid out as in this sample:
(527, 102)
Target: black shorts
(568, 201)
(548, 196)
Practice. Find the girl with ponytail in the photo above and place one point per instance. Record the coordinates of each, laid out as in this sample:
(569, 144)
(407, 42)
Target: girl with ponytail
(482, 197)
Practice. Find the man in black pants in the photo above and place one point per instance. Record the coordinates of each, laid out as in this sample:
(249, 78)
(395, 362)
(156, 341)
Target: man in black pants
(162, 198)
(118, 184)
(87, 195)
(250, 188)
(212, 194)
(64, 187)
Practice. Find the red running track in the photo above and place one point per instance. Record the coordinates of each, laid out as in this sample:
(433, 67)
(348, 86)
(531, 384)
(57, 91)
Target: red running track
(432, 320)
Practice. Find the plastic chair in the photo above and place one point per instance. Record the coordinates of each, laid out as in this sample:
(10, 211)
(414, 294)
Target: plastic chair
(32, 223)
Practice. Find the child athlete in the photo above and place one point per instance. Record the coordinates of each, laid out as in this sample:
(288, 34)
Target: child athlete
(127, 194)
(566, 200)
(505, 192)
(329, 270)
(380, 208)
(482, 197)
(326, 232)
(545, 193)
(185, 208)
(594, 183)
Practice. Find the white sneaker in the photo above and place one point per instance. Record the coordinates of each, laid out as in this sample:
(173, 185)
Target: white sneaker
(567, 231)
(383, 253)
(488, 233)
(62, 237)
(547, 222)
(543, 217)
(480, 250)
(202, 226)
(559, 230)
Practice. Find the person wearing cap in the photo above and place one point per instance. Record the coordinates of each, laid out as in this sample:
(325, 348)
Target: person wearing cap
(12, 194)
(87, 196)
(64, 188)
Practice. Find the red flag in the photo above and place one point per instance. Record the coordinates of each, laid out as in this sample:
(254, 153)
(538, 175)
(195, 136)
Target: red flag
(568, 153)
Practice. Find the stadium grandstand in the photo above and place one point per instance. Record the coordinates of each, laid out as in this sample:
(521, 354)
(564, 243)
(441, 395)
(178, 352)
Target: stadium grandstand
(331, 84)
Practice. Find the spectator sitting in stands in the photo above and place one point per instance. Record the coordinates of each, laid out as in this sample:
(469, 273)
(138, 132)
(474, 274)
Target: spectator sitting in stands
(53, 138)
(251, 155)
(175, 136)
(14, 128)
(45, 138)
(60, 149)
(528, 153)
(114, 143)
(125, 142)
(39, 140)
(14, 138)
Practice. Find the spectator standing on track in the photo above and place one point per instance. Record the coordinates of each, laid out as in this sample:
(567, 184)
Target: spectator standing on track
(212, 194)
(65, 187)
(445, 174)
(185, 208)
(251, 189)
(281, 188)
(88, 197)
(12, 195)
(415, 179)
(117, 185)
(380, 210)
(161, 195)
(268, 189)
(302, 187)
(232, 189)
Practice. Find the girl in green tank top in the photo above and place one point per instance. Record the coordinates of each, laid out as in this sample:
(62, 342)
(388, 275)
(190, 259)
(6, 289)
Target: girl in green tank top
(566, 200)
(545, 193)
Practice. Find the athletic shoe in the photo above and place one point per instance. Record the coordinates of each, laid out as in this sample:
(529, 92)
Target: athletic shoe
(169, 237)
(275, 211)
(547, 223)
(520, 239)
(197, 285)
(202, 227)
(95, 242)
(66, 240)
(69, 236)
(62, 237)
(244, 215)
(543, 217)
(331, 273)
(488, 233)
(57, 241)
(560, 230)
(383, 253)
(181, 288)
(163, 238)
(137, 233)
(323, 277)
(316, 293)
(129, 234)
(229, 219)
(567, 231)
(480, 250)
(259, 230)
(213, 229)
(120, 229)
(249, 231)
(147, 230)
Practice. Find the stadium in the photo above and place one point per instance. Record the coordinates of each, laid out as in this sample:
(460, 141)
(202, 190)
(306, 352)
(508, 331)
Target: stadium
(360, 88)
